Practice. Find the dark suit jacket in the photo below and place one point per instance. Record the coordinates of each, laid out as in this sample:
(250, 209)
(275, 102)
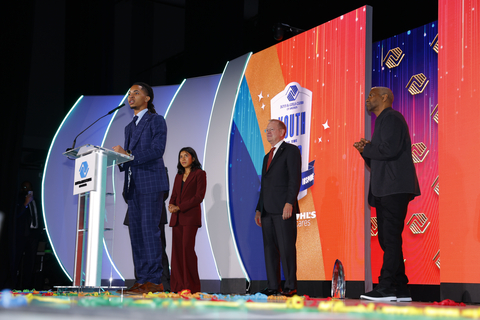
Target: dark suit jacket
(389, 156)
(147, 142)
(281, 183)
(188, 198)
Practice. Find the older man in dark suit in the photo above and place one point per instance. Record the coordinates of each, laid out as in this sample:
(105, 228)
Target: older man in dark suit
(145, 183)
(393, 184)
(277, 208)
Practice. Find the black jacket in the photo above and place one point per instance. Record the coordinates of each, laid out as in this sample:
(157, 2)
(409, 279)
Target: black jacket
(389, 156)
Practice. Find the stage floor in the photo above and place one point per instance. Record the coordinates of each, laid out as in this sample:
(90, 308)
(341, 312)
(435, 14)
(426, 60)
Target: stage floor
(45, 305)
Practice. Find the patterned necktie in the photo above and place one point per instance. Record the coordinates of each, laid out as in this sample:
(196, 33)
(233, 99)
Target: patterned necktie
(270, 156)
(130, 168)
(134, 121)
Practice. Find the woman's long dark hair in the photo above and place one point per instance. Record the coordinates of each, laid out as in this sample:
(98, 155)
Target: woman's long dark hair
(195, 164)
(148, 92)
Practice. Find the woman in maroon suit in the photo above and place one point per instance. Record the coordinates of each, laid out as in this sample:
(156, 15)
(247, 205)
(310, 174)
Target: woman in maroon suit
(187, 195)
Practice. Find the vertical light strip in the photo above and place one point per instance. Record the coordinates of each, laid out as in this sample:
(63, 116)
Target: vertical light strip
(110, 123)
(43, 186)
(174, 96)
(204, 157)
(112, 263)
(226, 175)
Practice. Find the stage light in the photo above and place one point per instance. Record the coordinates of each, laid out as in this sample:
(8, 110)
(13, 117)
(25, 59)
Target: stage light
(279, 30)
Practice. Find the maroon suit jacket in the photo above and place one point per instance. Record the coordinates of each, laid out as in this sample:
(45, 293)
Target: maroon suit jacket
(188, 199)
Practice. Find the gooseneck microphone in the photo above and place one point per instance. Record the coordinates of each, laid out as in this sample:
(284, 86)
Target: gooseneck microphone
(110, 112)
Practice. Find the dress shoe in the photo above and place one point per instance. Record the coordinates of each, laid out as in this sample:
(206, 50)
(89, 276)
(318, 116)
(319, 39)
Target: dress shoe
(135, 286)
(268, 292)
(146, 288)
(289, 292)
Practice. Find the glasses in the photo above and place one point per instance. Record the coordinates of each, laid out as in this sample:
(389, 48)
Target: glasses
(269, 130)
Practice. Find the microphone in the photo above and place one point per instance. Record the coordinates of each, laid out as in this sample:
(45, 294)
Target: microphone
(120, 106)
(112, 111)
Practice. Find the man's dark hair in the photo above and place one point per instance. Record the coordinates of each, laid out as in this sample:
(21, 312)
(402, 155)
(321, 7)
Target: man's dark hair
(149, 92)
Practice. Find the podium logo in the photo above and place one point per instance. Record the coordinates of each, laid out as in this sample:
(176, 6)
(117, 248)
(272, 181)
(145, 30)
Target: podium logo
(83, 169)
(435, 186)
(417, 84)
(393, 58)
(419, 152)
(292, 93)
(435, 114)
(418, 223)
(374, 227)
(434, 44)
(436, 259)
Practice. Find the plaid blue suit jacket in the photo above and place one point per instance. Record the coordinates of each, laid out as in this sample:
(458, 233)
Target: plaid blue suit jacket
(147, 143)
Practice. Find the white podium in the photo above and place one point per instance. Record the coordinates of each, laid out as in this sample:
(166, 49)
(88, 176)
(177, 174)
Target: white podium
(91, 163)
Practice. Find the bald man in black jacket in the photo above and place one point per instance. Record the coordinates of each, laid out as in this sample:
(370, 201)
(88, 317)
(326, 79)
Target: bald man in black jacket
(393, 184)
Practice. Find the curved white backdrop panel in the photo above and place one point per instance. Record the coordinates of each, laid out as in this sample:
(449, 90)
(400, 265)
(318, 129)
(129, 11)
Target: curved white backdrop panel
(187, 124)
(217, 149)
(189, 110)
(59, 203)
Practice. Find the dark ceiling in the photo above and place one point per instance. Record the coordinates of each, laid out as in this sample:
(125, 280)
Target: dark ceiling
(56, 50)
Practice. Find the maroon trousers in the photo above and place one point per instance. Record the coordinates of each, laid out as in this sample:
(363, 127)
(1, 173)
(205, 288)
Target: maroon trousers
(184, 259)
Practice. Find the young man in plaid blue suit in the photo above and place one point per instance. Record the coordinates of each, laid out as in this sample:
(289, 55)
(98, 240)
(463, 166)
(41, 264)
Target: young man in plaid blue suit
(145, 183)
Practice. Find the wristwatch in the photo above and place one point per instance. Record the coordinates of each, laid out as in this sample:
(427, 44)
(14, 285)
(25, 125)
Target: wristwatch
(129, 152)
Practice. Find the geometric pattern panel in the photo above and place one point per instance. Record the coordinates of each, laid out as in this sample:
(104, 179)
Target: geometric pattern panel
(408, 64)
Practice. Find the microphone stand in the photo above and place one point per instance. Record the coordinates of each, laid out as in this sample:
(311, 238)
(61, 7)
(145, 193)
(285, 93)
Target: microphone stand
(110, 112)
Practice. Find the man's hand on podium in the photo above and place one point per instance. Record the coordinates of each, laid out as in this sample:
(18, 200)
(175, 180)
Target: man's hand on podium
(119, 149)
